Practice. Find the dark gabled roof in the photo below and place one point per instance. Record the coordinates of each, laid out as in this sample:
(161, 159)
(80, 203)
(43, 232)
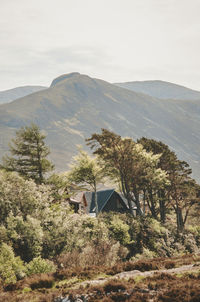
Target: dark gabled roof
(102, 198)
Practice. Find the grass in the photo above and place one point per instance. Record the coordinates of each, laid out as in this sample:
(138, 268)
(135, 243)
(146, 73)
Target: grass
(68, 282)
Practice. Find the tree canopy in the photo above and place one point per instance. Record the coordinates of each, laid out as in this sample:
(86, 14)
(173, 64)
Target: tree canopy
(86, 171)
(182, 193)
(28, 154)
(129, 163)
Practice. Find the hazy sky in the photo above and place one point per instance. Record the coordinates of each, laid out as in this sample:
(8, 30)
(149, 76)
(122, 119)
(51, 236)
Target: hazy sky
(115, 40)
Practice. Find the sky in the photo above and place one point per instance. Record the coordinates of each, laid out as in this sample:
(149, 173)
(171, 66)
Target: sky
(114, 40)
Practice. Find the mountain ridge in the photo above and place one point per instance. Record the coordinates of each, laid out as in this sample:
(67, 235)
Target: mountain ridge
(77, 106)
(161, 89)
(7, 96)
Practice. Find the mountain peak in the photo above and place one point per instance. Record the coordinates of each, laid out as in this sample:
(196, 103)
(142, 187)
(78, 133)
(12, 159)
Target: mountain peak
(64, 77)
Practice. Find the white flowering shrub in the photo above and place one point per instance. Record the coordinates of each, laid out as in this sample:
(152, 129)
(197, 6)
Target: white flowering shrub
(11, 267)
(21, 197)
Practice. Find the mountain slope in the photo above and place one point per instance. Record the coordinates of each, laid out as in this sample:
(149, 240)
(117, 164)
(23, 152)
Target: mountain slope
(75, 106)
(162, 90)
(10, 95)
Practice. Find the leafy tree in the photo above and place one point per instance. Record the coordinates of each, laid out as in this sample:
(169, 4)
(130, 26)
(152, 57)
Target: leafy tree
(86, 170)
(60, 186)
(28, 154)
(128, 163)
(167, 162)
(116, 156)
(182, 193)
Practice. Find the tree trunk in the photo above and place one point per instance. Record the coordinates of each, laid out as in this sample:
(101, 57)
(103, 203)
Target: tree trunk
(144, 202)
(179, 219)
(130, 204)
(162, 206)
(162, 211)
(152, 205)
(40, 174)
(95, 200)
(137, 201)
(126, 193)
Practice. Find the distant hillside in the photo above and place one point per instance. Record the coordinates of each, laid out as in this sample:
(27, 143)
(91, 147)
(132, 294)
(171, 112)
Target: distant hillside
(75, 106)
(10, 95)
(162, 90)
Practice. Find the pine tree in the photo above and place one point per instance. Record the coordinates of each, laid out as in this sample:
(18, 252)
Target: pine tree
(28, 154)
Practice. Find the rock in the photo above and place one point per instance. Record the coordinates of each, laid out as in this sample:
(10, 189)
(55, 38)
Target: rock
(62, 299)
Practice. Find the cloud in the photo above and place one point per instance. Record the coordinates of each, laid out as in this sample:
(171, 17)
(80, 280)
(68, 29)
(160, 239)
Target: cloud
(43, 66)
(77, 55)
(114, 40)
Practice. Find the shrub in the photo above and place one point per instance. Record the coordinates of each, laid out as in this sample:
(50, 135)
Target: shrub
(114, 286)
(103, 253)
(119, 230)
(190, 243)
(21, 197)
(26, 236)
(145, 254)
(41, 281)
(59, 227)
(11, 267)
(39, 265)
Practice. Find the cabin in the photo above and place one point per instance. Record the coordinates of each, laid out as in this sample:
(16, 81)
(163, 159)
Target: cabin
(75, 204)
(107, 200)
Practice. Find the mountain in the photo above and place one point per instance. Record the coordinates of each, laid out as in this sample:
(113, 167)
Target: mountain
(75, 106)
(162, 90)
(10, 95)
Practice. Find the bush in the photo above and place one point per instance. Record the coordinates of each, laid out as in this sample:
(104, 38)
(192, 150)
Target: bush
(119, 230)
(145, 254)
(21, 197)
(104, 253)
(11, 267)
(39, 266)
(59, 227)
(26, 236)
(42, 281)
(114, 286)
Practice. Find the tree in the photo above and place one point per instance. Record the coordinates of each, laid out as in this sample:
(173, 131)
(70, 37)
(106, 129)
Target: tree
(60, 186)
(129, 163)
(167, 162)
(85, 170)
(182, 193)
(28, 154)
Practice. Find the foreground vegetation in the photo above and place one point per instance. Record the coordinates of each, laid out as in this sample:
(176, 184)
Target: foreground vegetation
(160, 279)
(39, 235)
(47, 250)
